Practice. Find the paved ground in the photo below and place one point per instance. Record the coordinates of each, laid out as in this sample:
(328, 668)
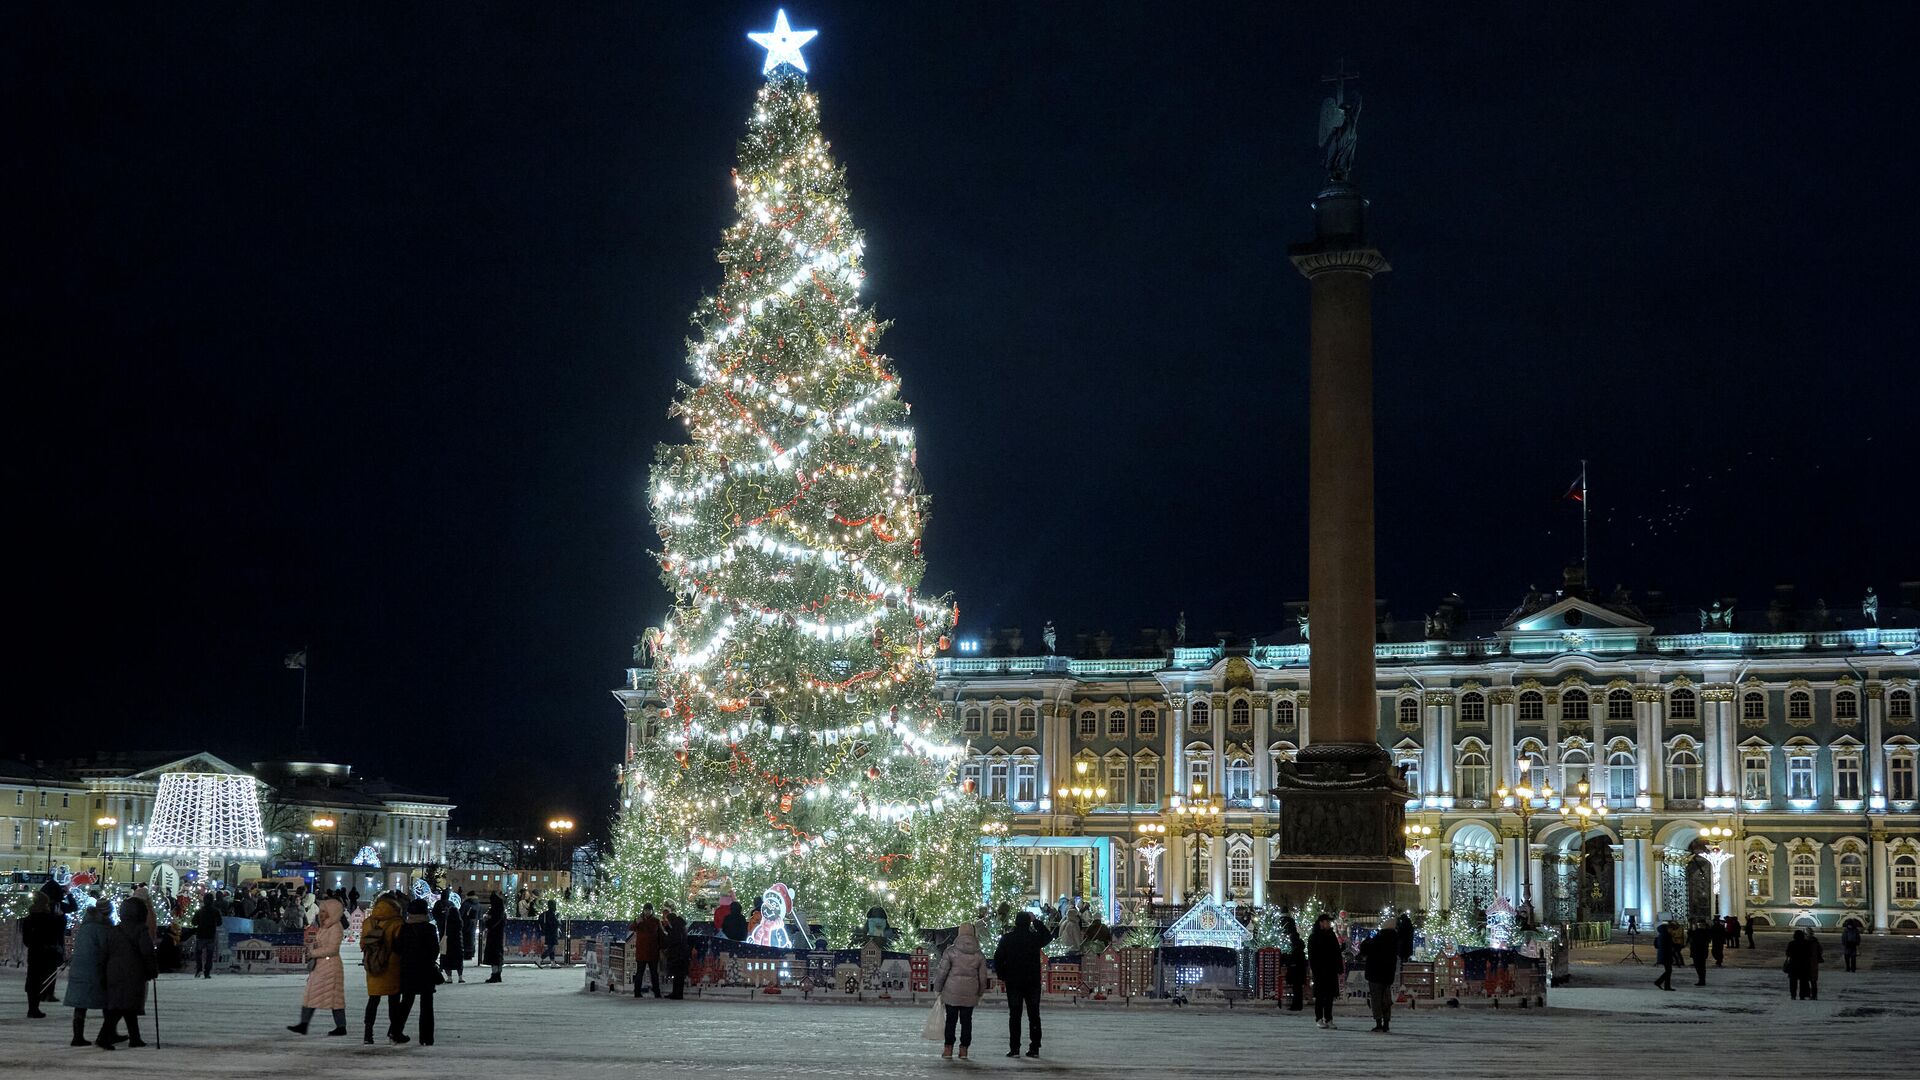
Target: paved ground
(1612, 1023)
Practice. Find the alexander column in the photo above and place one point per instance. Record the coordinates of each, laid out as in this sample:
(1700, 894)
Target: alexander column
(1342, 804)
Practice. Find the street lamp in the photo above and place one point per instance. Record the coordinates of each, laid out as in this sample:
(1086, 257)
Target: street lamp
(1152, 842)
(1586, 811)
(1417, 850)
(559, 827)
(1200, 813)
(1082, 797)
(1520, 800)
(105, 823)
(1718, 838)
(322, 824)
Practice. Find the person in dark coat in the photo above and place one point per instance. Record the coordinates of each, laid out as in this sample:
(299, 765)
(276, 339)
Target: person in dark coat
(1699, 945)
(129, 965)
(448, 920)
(1017, 964)
(1750, 925)
(1850, 944)
(1381, 955)
(469, 925)
(550, 930)
(675, 949)
(643, 952)
(1403, 926)
(44, 933)
(87, 973)
(1295, 962)
(1717, 934)
(206, 938)
(1663, 955)
(59, 900)
(1733, 931)
(495, 956)
(1815, 954)
(1799, 959)
(1326, 962)
(734, 922)
(418, 952)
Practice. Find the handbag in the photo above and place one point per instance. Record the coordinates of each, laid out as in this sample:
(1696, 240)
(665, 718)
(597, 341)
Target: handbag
(935, 1029)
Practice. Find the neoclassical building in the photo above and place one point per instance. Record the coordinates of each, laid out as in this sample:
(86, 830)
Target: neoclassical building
(1792, 732)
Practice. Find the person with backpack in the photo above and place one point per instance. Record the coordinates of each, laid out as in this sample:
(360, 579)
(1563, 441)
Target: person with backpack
(416, 950)
(378, 934)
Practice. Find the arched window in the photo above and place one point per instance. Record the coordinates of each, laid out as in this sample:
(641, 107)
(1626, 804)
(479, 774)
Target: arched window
(1682, 704)
(1759, 876)
(1474, 775)
(1906, 877)
(1533, 766)
(1285, 714)
(1146, 779)
(999, 721)
(1846, 775)
(1239, 782)
(1116, 723)
(1900, 704)
(1851, 877)
(970, 719)
(1900, 775)
(1846, 705)
(1622, 777)
(1800, 773)
(1241, 714)
(1804, 869)
(1199, 715)
(1029, 721)
(1573, 704)
(1573, 771)
(970, 777)
(1240, 869)
(1149, 724)
(1473, 707)
(1026, 776)
(1409, 712)
(1117, 779)
(1619, 704)
(1531, 707)
(1753, 705)
(1799, 705)
(1089, 723)
(997, 779)
(1683, 775)
(1199, 773)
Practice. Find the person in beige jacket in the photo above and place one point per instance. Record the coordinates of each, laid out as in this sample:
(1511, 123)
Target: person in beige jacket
(960, 980)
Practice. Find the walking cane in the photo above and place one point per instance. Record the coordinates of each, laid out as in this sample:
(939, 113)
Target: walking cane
(156, 1012)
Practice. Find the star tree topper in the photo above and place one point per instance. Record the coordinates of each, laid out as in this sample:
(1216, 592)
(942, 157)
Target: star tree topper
(783, 43)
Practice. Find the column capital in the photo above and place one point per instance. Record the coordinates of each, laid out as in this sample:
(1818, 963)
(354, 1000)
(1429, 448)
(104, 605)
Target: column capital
(1313, 263)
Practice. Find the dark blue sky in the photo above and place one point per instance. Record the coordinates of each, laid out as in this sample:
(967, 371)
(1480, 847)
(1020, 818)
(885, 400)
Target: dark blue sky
(353, 327)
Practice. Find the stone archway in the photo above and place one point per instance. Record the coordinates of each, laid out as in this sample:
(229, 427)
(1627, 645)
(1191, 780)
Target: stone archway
(1597, 902)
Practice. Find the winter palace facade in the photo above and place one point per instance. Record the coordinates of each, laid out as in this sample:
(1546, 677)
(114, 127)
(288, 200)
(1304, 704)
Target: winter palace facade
(1764, 765)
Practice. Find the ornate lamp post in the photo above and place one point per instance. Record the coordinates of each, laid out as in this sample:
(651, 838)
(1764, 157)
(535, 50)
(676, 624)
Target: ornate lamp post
(106, 823)
(1586, 812)
(1718, 838)
(1083, 797)
(1151, 843)
(1201, 815)
(322, 825)
(1520, 800)
(561, 828)
(1417, 849)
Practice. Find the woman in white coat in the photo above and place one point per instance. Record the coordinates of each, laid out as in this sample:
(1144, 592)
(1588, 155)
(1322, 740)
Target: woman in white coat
(960, 981)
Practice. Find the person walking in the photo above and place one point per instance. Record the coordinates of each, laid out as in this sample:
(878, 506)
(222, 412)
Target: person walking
(1017, 963)
(1750, 931)
(206, 938)
(1796, 966)
(42, 931)
(1815, 954)
(379, 940)
(87, 972)
(1717, 934)
(353, 900)
(417, 953)
(1699, 944)
(327, 982)
(960, 981)
(1663, 955)
(1296, 964)
(495, 955)
(1850, 944)
(1733, 931)
(644, 948)
(469, 925)
(675, 949)
(550, 933)
(1326, 961)
(452, 928)
(1381, 956)
(129, 965)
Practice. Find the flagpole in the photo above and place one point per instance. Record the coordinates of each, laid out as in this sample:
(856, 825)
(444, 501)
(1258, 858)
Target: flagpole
(304, 653)
(1586, 564)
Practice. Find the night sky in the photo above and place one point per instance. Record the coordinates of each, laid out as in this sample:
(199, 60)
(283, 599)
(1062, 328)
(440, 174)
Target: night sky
(352, 327)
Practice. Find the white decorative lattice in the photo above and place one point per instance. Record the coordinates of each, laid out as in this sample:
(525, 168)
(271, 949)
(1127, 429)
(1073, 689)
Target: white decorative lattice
(207, 814)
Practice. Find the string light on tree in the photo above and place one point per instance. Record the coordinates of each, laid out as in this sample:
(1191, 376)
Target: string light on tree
(799, 739)
(206, 816)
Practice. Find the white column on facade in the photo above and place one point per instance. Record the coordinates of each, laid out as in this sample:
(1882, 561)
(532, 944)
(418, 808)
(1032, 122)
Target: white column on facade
(1217, 867)
(1729, 747)
(1536, 872)
(1875, 695)
(1260, 861)
(1430, 749)
(1217, 775)
(1446, 732)
(1882, 882)
(1507, 868)
(1553, 742)
(1649, 881)
(1643, 754)
(1597, 753)
(1174, 877)
(1300, 703)
(1620, 881)
(1655, 752)
(1502, 703)
(1712, 723)
(1177, 750)
(1262, 760)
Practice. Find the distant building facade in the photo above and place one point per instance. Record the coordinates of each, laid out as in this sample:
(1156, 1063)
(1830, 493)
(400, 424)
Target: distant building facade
(1793, 729)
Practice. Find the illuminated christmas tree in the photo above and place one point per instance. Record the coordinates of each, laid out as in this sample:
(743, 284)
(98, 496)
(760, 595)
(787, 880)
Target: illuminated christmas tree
(800, 740)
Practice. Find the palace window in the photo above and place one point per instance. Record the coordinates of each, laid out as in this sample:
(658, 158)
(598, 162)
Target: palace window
(1116, 724)
(1846, 705)
(1146, 781)
(1532, 708)
(1533, 771)
(997, 781)
(1285, 714)
(1622, 777)
(1846, 777)
(970, 774)
(1573, 772)
(1573, 705)
(1241, 714)
(1754, 783)
(1029, 723)
(1804, 869)
(1800, 776)
(1850, 874)
(1117, 779)
(1473, 708)
(1753, 706)
(1089, 724)
(1683, 776)
(1240, 870)
(1409, 712)
(1906, 877)
(970, 721)
(1474, 776)
(1199, 715)
(1199, 776)
(1025, 782)
(1149, 724)
(999, 721)
(1619, 704)
(1239, 782)
(1900, 776)
(1683, 705)
(1759, 876)
(1900, 704)
(1799, 705)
